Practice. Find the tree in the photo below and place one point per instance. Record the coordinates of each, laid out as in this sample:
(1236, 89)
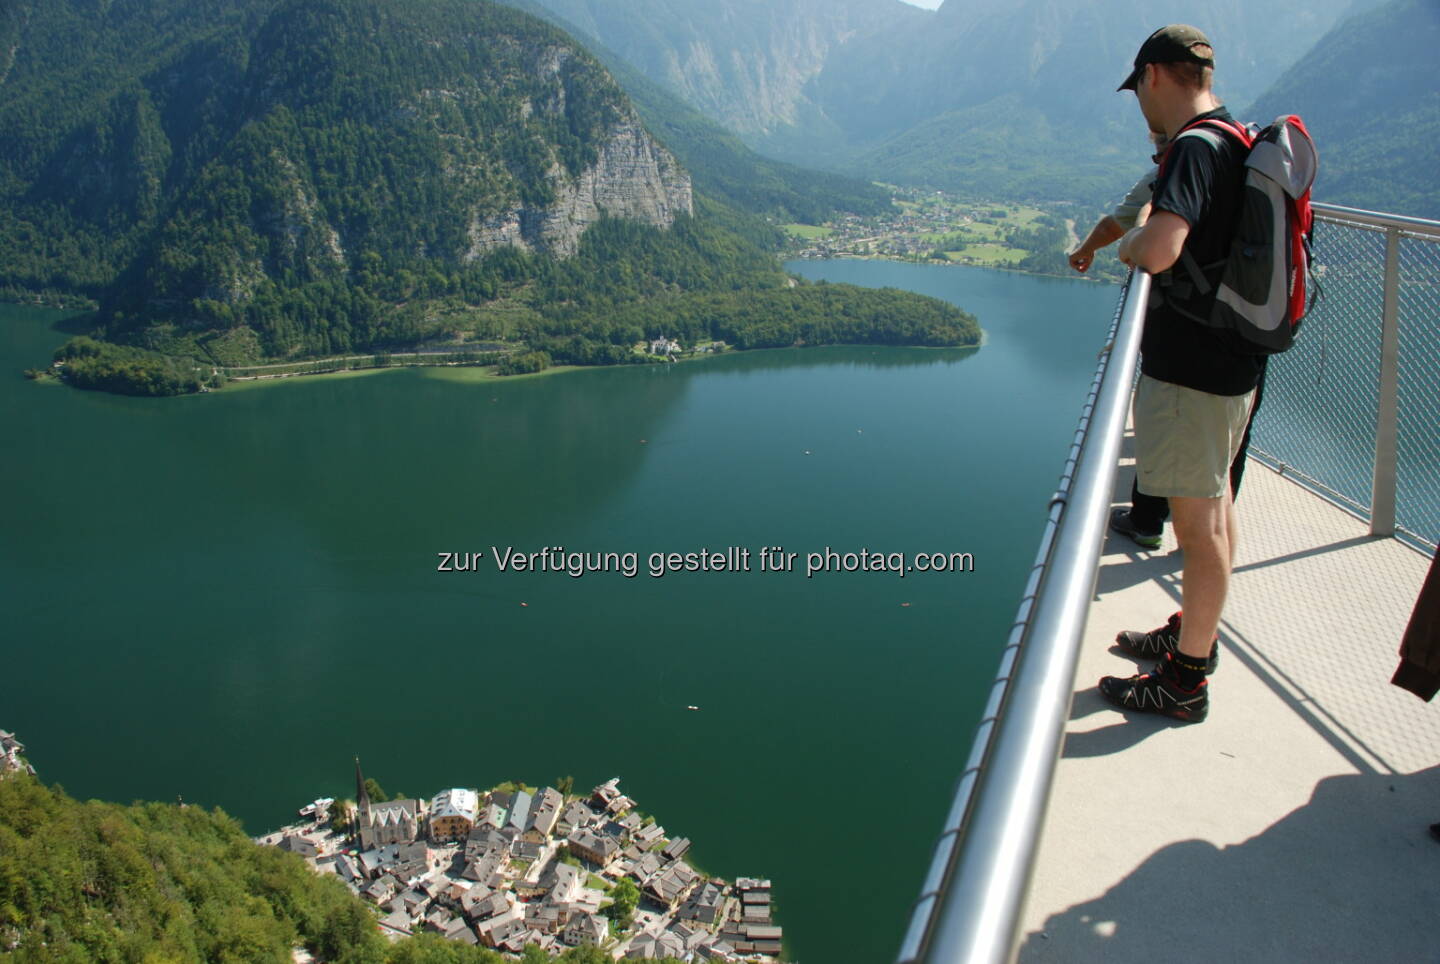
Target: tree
(375, 791)
(342, 816)
(626, 897)
(350, 925)
(566, 785)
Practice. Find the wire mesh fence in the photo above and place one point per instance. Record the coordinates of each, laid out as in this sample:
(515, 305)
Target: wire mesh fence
(1318, 421)
(1418, 472)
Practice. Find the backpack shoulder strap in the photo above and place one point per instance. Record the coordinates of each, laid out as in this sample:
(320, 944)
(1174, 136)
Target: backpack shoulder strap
(1213, 131)
(1243, 133)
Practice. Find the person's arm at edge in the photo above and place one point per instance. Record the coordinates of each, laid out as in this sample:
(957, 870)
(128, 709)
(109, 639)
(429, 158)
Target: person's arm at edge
(1131, 211)
(1156, 244)
(1106, 231)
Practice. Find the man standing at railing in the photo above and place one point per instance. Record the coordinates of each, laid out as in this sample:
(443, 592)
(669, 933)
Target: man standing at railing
(1195, 393)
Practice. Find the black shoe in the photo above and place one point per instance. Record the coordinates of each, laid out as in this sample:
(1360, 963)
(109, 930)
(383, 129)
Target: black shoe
(1121, 522)
(1158, 692)
(1165, 639)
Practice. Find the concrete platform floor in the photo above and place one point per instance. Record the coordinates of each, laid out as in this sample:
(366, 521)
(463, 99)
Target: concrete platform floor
(1292, 824)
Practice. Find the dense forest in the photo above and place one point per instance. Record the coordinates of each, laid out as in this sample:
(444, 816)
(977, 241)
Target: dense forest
(300, 139)
(127, 370)
(93, 881)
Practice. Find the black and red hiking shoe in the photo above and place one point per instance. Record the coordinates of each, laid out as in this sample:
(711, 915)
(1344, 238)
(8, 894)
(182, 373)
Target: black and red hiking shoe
(1158, 691)
(1165, 639)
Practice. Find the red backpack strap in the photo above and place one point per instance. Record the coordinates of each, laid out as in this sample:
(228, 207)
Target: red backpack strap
(1239, 131)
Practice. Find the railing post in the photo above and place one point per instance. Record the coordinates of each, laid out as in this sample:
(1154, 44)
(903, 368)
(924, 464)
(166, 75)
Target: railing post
(1387, 419)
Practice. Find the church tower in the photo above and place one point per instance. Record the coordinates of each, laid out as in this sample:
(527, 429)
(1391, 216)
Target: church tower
(363, 817)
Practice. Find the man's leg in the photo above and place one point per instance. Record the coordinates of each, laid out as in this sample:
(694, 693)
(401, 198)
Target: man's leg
(1208, 531)
(1177, 687)
(1148, 512)
(1185, 441)
(1144, 521)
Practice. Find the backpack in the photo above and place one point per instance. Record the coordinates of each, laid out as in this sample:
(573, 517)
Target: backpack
(1259, 289)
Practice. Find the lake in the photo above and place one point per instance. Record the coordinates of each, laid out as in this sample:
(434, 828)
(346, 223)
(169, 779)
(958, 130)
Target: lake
(226, 597)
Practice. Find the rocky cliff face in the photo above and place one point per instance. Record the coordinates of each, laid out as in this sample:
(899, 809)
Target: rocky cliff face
(633, 178)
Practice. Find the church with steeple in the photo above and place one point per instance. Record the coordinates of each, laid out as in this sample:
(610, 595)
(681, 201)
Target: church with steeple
(386, 822)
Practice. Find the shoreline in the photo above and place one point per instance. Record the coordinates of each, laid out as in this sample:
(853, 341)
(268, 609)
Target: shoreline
(457, 372)
(478, 372)
(1075, 276)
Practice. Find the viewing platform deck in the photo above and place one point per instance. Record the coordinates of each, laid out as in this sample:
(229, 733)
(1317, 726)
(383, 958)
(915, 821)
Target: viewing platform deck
(1290, 825)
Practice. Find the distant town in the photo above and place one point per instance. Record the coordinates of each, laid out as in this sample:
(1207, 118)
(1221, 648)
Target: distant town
(936, 227)
(517, 866)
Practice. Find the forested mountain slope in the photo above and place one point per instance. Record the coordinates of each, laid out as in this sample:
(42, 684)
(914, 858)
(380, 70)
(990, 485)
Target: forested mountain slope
(277, 179)
(1370, 97)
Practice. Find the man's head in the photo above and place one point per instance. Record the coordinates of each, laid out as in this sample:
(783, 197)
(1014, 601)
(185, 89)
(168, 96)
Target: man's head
(1181, 51)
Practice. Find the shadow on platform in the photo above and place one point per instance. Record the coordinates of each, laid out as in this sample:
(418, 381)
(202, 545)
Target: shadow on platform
(1353, 875)
(1131, 730)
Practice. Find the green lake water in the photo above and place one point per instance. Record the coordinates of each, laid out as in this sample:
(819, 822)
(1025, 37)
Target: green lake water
(226, 597)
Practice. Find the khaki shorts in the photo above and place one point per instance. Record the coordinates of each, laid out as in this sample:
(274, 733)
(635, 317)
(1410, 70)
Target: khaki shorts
(1185, 439)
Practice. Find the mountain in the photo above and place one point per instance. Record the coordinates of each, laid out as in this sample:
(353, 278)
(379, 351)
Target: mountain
(287, 141)
(280, 179)
(1369, 96)
(1010, 99)
(745, 63)
(722, 165)
(1064, 58)
(1017, 99)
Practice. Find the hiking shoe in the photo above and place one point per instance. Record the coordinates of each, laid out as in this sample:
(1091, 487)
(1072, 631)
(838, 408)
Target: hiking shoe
(1121, 522)
(1158, 692)
(1165, 639)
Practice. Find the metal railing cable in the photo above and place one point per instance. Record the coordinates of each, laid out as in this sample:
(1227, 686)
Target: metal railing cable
(971, 902)
(1351, 411)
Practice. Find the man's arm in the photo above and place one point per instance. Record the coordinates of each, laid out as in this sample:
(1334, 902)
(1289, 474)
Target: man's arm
(1156, 244)
(1106, 231)
(1133, 210)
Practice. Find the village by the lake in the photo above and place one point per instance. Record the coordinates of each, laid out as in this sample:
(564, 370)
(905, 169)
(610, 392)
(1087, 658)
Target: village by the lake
(518, 866)
(940, 228)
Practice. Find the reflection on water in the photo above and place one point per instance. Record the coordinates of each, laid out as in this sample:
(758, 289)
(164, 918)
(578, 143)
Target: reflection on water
(228, 596)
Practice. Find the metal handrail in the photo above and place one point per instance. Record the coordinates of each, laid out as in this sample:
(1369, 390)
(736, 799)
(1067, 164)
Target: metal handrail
(1377, 219)
(970, 905)
(969, 908)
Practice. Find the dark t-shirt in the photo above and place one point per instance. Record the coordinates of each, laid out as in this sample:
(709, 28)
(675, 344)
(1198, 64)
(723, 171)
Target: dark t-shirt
(1201, 182)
